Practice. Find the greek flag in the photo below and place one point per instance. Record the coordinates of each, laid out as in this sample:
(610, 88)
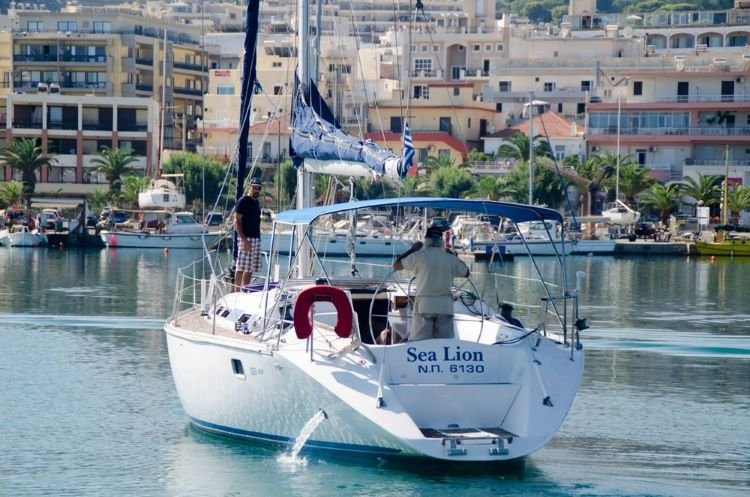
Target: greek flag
(408, 150)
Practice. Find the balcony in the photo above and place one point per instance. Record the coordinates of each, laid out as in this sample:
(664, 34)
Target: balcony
(657, 132)
(717, 163)
(132, 127)
(62, 125)
(19, 124)
(78, 85)
(142, 87)
(144, 62)
(190, 67)
(96, 126)
(34, 57)
(88, 59)
(188, 91)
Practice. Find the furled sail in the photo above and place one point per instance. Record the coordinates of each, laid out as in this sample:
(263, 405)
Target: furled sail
(326, 148)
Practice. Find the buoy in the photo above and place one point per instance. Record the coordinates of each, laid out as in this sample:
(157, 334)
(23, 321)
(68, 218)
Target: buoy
(713, 258)
(166, 250)
(62, 246)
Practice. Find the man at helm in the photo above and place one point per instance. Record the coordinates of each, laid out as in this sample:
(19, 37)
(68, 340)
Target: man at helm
(434, 269)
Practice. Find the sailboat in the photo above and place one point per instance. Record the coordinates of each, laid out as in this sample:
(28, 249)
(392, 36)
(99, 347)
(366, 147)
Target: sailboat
(300, 343)
(619, 213)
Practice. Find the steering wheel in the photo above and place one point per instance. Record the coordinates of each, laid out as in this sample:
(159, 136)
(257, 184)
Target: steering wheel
(475, 295)
(396, 284)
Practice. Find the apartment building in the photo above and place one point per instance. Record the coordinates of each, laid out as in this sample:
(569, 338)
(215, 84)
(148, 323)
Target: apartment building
(116, 52)
(73, 128)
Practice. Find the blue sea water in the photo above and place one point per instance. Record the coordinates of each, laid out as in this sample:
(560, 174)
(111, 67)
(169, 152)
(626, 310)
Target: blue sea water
(88, 407)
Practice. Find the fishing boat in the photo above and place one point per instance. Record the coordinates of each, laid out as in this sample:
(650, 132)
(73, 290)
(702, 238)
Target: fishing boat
(20, 235)
(731, 242)
(299, 344)
(159, 224)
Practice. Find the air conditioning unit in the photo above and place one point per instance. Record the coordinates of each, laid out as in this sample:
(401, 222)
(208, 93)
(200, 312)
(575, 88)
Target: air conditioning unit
(740, 79)
(652, 149)
(595, 148)
(701, 47)
(41, 87)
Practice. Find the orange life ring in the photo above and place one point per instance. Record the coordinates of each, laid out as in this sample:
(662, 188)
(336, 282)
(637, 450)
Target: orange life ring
(322, 293)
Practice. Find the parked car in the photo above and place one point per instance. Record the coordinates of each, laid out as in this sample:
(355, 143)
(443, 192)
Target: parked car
(47, 219)
(214, 219)
(440, 222)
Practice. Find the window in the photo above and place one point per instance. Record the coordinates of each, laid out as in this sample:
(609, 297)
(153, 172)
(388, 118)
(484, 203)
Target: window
(477, 47)
(225, 90)
(560, 108)
(444, 153)
(413, 49)
(424, 48)
(505, 86)
(421, 91)
(499, 107)
(102, 27)
(435, 48)
(276, 64)
(66, 26)
(580, 108)
(500, 47)
(586, 85)
(445, 124)
(34, 26)
(423, 65)
(559, 152)
(468, 123)
(549, 86)
(278, 89)
(637, 87)
(488, 48)
(456, 92)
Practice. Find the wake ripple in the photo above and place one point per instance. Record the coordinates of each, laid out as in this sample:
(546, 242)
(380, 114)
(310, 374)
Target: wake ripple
(669, 342)
(110, 322)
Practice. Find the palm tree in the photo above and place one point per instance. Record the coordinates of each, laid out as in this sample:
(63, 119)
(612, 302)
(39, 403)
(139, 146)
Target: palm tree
(100, 199)
(11, 193)
(517, 147)
(114, 163)
(738, 200)
(26, 156)
(433, 163)
(633, 180)
(132, 186)
(665, 199)
(705, 188)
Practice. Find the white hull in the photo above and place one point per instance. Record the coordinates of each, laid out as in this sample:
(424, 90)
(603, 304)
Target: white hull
(516, 247)
(597, 247)
(125, 239)
(22, 239)
(337, 243)
(467, 399)
(620, 214)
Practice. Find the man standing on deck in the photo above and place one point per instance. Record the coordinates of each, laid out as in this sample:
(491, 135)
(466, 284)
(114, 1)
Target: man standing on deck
(434, 268)
(247, 226)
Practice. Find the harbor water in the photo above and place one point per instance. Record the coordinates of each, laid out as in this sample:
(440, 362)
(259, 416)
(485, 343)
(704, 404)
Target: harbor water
(88, 406)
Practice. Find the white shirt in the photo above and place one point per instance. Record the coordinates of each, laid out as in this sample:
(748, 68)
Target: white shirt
(434, 269)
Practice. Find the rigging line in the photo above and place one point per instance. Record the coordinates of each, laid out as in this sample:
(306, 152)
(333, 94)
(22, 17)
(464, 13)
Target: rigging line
(361, 66)
(554, 161)
(443, 71)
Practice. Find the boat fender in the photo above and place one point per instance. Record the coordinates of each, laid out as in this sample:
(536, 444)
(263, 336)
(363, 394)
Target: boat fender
(322, 293)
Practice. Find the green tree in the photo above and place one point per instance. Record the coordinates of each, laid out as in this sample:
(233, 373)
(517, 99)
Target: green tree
(100, 199)
(633, 180)
(665, 199)
(410, 186)
(132, 186)
(517, 147)
(433, 163)
(203, 178)
(25, 155)
(11, 193)
(738, 200)
(451, 182)
(705, 188)
(114, 163)
(546, 186)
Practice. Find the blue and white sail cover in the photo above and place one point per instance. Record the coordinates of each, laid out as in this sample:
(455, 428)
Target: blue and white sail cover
(326, 148)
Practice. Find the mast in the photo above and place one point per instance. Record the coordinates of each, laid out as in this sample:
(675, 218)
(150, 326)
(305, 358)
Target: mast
(531, 148)
(304, 179)
(617, 171)
(725, 193)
